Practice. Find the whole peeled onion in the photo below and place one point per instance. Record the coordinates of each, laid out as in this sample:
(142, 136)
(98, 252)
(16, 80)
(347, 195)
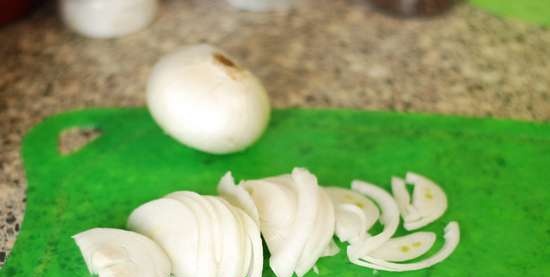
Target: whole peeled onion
(206, 101)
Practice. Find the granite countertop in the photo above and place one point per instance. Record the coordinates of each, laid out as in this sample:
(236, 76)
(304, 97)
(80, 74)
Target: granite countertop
(324, 53)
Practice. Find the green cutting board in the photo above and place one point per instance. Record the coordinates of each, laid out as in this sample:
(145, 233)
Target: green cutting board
(534, 11)
(496, 175)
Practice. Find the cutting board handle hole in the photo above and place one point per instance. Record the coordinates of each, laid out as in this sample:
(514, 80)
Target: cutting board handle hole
(74, 139)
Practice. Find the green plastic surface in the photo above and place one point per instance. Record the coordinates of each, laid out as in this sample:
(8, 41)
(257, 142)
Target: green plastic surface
(496, 175)
(535, 11)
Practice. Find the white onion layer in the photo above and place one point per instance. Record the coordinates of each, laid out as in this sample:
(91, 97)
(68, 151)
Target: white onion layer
(428, 198)
(206, 256)
(238, 196)
(119, 253)
(452, 238)
(347, 196)
(350, 223)
(174, 227)
(403, 199)
(276, 207)
(321, 236)
(405, 248)
(305, 187)
(232, 238)
(429, 201)
(331, 249)
(246, 247)
(296, 219)
(253, 235)
(389, 218)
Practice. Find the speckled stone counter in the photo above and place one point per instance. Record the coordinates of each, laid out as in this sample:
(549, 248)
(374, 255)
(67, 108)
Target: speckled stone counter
(324, 53)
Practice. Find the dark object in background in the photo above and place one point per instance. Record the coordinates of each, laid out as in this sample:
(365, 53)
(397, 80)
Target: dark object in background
(11, 10)
(413, 7)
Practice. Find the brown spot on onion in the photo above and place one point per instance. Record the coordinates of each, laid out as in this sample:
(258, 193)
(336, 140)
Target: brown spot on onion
(224, 60)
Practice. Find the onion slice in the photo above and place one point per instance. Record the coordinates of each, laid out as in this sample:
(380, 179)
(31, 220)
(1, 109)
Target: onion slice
(237, 196)
(206, 257)
(305, 187)
(331, 249)
(119, 253)
(429, 201)
(245, 246)
(452, 238)
(231, 240)
(276, 206)
(347, 196)
(351, 223)
(174, 227)
(389, 218)
(253, 235)
(321, 236)
(403, 199)
(405, 248)
(287, 206)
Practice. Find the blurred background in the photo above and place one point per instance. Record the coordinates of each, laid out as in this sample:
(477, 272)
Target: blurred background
(477, 58)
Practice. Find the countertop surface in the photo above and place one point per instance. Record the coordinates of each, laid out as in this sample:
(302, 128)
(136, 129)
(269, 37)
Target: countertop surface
(324, 53)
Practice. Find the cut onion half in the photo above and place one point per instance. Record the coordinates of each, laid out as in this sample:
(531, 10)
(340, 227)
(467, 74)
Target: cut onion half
(174, 227)
(429, 201)
(405, 248)
(389, 218)
(119, 253)
(452, 238)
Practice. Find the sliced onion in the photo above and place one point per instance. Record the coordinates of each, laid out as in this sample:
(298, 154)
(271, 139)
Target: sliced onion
(429, 200)
(225, 241)
(428, 204)
(231, 239)
(305, 186)
(288, 207)
(219, 227)
(174, 227)
(206, 260)
(316, 270)
(347, 196)
(113, 252)
(321, 236)
(244, 244)
(253, 234)
(276, 206)
(405, 248)
(237, 196)
(403, 199)
(452, 238)
(125, 269)
(389, 217)
(350, 223)
(331, 249)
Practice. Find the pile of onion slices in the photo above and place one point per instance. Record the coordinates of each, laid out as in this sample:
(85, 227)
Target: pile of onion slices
(191, 235)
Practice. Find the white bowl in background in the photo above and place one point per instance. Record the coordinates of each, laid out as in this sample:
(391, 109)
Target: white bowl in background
(107, 18)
